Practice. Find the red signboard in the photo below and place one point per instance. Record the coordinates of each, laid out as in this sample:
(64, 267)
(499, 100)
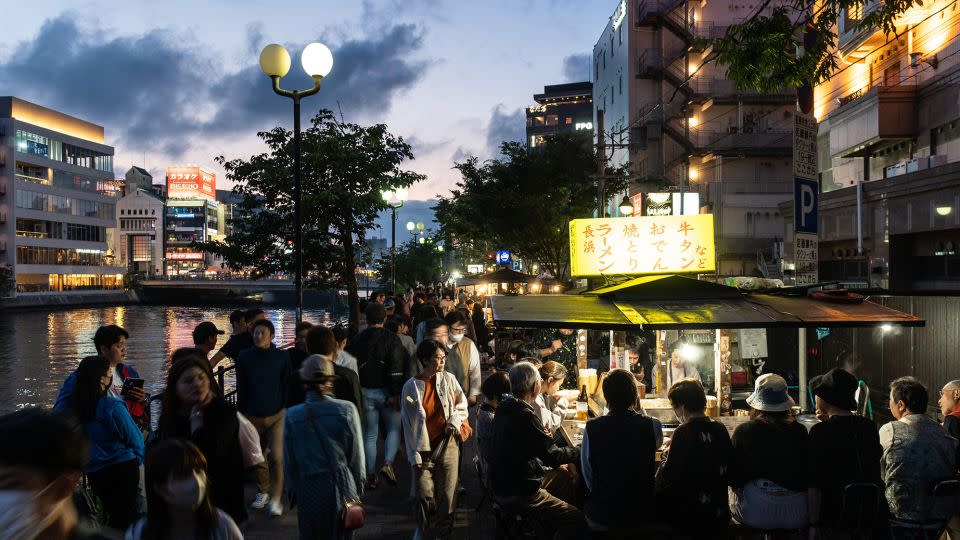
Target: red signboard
(184, 256)
(191, 183)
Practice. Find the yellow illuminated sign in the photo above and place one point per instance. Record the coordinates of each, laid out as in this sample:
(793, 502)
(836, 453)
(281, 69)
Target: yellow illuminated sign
(642, 245)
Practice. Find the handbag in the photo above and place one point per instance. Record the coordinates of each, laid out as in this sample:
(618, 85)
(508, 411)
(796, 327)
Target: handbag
(249, 442)
(353, 515)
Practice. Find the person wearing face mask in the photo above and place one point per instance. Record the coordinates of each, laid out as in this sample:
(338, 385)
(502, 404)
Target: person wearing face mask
(263, 372)
(178, 501)
(38, 477)
(193, 410)
(692, 482)
(463, 357)
(116, 442)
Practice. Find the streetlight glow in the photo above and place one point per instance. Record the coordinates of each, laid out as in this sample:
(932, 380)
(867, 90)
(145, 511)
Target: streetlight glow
(626, 207)
(316, 59)
(275, 60)
(410, 226)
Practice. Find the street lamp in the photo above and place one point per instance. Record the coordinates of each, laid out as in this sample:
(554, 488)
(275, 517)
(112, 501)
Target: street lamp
(317, 61)
(410, 228)
(395, 199)
(626, 207)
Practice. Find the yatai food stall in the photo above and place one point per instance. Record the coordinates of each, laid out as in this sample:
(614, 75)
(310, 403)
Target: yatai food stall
(713, 331)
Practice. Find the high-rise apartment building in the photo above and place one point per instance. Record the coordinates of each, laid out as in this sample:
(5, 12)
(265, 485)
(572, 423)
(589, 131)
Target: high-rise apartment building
(683, 126)
(57, 201)
(889, 153)
(560, 108)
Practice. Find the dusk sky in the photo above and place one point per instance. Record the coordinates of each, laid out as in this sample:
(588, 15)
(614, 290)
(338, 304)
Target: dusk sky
(177, 82)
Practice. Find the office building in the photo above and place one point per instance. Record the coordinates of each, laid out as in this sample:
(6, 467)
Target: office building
(684, 127)
(561, 108)
(889, 137)
(138, 238)
(57, 201)
(192, 214)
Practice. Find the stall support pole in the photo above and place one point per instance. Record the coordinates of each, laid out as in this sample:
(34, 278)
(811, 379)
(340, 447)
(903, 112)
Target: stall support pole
(802, 357)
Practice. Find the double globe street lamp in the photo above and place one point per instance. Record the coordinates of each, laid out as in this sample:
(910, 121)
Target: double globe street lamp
(317, 61)
(394, 199)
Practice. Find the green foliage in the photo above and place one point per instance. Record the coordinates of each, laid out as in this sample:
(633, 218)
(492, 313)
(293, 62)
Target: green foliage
(524, 201)
(344, 169)
(761, 53)
(416, 263)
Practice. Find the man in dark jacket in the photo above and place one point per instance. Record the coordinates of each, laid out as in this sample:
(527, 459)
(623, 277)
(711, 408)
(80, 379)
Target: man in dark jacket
(263, 373)
(380, 359)
(520, 449)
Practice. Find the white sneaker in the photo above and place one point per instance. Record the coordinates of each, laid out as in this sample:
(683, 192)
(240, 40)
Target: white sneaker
(261, 501)
(276, 508)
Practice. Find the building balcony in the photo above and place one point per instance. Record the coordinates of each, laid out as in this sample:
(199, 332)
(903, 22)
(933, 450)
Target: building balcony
(868, 121)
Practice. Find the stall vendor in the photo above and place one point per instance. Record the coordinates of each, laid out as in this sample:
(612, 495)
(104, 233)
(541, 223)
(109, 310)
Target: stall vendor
(560, 346)
(679, 367)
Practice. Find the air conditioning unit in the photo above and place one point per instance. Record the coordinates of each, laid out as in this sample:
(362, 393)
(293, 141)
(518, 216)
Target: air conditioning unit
(895, 170)
(937, 160)
(916, 164)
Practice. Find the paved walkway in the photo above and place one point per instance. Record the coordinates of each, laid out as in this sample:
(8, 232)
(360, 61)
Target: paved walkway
(389, 511)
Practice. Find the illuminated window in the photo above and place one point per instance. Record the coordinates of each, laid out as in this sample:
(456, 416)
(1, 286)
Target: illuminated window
(568, 120)
(140, 248)
(552, 120)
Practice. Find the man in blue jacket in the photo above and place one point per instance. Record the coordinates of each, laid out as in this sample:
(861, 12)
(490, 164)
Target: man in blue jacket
(263, 372)
(111, 343)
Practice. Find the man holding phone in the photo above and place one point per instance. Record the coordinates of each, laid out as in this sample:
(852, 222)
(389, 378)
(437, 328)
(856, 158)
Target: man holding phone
(111, 343)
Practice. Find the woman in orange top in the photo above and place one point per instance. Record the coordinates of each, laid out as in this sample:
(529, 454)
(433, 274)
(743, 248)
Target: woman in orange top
(434, 421)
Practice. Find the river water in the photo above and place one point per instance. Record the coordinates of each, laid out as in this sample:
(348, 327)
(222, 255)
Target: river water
(38, 349)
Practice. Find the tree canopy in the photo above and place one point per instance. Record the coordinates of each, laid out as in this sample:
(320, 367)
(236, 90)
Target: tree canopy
(416, 263)
(344, 169)
(761, 52)
(524, 200)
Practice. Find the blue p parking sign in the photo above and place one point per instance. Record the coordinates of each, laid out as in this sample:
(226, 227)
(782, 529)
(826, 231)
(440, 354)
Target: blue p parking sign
(805, 201)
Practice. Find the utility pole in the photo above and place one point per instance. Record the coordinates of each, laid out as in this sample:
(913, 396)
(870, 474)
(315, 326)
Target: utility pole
(601, 164)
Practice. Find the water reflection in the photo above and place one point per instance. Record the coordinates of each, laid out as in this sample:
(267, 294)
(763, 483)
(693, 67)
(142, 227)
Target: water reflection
(40, 348)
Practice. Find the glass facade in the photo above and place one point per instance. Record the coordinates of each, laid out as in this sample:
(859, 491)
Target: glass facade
(45, 202)
(60, 256)
(38, 228)
(140, 247)
(64, 179)
(27, 283)
(38, 145)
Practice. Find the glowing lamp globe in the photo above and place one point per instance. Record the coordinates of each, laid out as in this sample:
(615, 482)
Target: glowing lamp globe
(317, 60)
(275, 60)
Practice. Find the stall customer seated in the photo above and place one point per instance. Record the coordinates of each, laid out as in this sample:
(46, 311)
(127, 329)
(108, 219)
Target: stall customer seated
(844, 449)
(692, 483)
(549, 406)
(494, 387)
(520, 449)
(618, 459)
(767, 476)
(916, 454)
(680, 368)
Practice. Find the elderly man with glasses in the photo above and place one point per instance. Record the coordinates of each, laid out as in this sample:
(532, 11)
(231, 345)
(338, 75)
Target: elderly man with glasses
(519, 452)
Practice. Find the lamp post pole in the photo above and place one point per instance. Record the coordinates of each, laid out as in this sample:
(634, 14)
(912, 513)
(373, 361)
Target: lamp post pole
(393, 248)
(317, 62)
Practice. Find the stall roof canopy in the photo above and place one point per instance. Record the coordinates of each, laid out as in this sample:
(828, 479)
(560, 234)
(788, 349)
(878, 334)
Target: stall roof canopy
(503, 275)
(675, 302)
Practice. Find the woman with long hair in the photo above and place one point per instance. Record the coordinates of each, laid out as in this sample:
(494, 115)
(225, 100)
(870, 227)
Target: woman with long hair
(116, 443)
(323, 456)
(178, 500)
(193, 410)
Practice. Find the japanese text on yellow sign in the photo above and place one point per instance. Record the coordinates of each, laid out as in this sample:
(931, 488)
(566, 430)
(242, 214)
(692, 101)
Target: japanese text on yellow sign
(642, 245)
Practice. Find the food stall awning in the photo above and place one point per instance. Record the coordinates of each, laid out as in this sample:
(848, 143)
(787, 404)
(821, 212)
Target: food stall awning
(676, 302)
(503, 275)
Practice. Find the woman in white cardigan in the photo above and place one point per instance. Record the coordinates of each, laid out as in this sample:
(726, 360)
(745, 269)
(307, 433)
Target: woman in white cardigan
(434, 420)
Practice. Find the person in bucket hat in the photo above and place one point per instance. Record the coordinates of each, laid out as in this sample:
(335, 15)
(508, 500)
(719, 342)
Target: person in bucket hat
(770, 394)
(844, 449)
(768, 481)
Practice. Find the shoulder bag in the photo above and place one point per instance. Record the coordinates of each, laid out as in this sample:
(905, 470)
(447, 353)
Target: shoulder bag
(353, 516)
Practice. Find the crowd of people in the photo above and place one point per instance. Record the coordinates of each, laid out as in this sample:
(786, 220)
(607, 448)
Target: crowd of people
(321, 421)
